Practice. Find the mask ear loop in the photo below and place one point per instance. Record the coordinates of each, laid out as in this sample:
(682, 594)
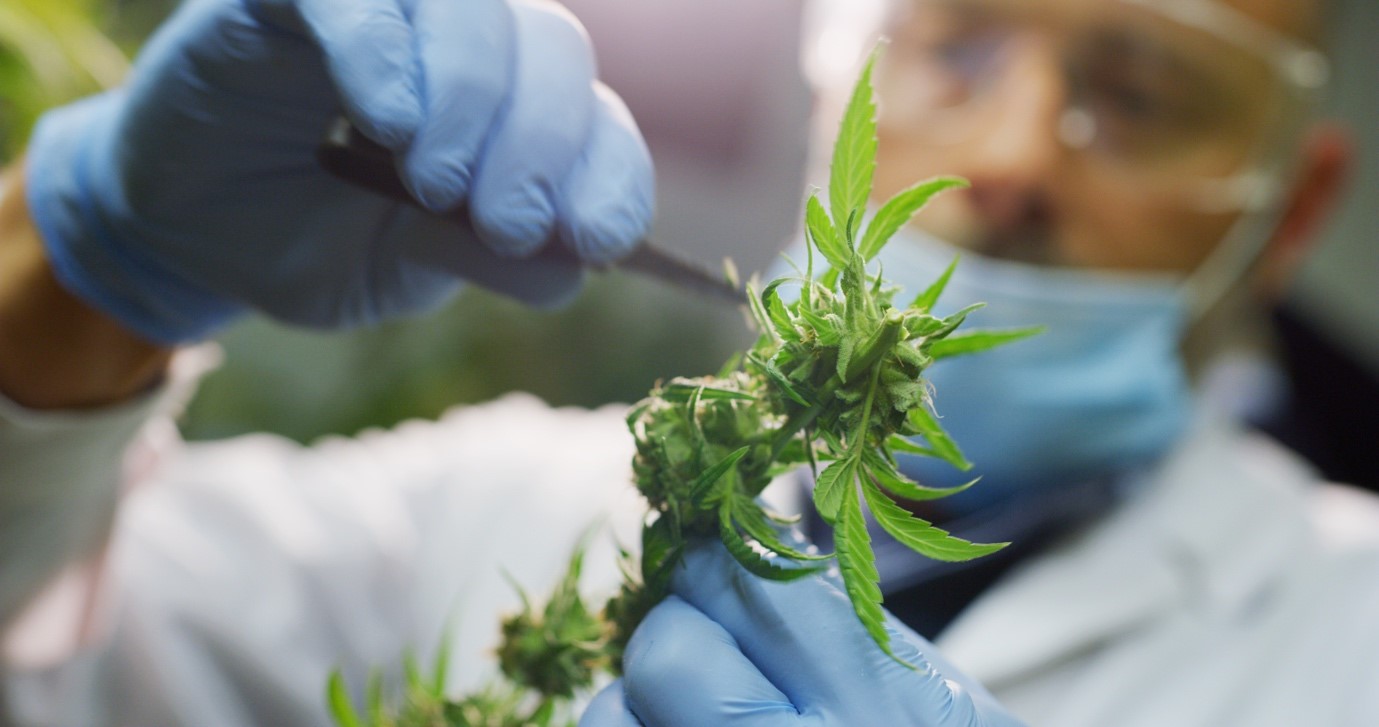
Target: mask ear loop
(1257, 194)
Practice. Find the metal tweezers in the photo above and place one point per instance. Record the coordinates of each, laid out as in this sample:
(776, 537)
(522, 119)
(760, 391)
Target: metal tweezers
(355, 158)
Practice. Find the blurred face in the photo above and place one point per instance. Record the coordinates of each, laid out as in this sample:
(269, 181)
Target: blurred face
(1096, 133)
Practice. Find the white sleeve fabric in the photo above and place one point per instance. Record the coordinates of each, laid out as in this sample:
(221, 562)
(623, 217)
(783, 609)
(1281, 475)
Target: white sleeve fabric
(61, 473)
(248, 569)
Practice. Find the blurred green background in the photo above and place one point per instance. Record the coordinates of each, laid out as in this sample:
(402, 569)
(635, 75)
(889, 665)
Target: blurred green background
(610, 345)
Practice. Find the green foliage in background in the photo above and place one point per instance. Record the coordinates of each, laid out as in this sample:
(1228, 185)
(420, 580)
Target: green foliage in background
(51, 51)
(610, 345)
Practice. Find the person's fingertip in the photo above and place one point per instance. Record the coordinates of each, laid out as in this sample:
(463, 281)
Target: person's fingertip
(604, 236)
(389, 115)
(517, 225)
(439, 185)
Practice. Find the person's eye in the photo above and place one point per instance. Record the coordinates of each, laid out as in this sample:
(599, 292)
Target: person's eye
(1133, 103)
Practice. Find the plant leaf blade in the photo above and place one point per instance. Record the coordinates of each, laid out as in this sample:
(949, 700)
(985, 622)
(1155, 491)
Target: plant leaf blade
(921, 535)
(899, 209)
(968, 342)
(854, 155)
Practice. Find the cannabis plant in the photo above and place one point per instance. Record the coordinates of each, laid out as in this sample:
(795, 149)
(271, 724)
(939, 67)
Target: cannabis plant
(835, 382)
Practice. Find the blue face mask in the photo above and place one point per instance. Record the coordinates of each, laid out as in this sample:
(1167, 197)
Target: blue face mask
(1102, 391)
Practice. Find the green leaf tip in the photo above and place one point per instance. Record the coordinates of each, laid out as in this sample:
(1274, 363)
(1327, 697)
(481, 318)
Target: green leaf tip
(854, 152)
(929, 296)
(967, 342)
(899, 209)
(338, 697)
(921, 535)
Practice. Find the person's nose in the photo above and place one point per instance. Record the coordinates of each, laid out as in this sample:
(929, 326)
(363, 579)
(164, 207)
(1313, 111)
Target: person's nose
(1014, 158)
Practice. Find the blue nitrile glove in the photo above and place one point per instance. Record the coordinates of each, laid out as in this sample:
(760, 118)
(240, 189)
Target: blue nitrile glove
(193, 193)
(732, 649)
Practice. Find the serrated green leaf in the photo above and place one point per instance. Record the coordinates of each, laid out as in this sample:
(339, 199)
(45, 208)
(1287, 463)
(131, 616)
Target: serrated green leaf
(960, 344)
(899, 443)
(884, 473)
(763, 321)
(918, 325)
(755, 522)
(925, 300)
(680, 393)
(857, 564)
(854, 152)
(899, 209)
(755, 562)
(780, 381)
(692, 414)
(338, 696)
(832, 486)
(825, 236)
(699, 489)
(921, 535)
(943, 445)
(777, 313)
(951, 323)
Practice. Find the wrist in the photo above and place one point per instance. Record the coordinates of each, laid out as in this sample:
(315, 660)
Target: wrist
(99, 243)
(56, 350)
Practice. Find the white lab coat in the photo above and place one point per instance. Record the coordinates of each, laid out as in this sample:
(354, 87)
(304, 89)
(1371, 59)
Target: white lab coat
(1231, 591)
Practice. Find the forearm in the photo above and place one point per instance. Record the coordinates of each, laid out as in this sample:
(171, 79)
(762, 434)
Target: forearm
(57, 352)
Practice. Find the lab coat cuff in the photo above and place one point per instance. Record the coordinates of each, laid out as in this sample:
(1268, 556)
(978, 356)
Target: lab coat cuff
(61, 474)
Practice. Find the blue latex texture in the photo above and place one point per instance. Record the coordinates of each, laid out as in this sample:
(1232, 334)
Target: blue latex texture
(733, 650)
(192, 194)
(1101, 392)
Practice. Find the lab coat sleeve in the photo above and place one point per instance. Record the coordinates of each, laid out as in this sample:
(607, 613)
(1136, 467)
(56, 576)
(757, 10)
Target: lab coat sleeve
(249, 568)
(60, 477)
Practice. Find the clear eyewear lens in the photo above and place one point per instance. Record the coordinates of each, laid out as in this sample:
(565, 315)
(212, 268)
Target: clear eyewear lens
(1166, 92)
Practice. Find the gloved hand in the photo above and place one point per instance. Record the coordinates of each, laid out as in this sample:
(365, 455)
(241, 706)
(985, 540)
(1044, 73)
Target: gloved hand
(733, 649)
(193, 193)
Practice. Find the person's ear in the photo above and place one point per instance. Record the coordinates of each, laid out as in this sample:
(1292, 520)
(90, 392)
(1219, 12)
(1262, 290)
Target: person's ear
(1323, 170)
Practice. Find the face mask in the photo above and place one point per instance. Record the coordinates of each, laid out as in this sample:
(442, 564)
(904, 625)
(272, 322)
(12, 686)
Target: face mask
(1101, 391)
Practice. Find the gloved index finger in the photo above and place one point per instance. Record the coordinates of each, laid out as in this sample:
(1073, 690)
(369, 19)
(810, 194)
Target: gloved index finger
(370, 49)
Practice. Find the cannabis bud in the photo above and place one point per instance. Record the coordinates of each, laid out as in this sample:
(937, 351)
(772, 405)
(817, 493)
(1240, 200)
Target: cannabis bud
(559, 650)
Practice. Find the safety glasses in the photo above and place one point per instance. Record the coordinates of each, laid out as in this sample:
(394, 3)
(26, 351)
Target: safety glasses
(1182, 97)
